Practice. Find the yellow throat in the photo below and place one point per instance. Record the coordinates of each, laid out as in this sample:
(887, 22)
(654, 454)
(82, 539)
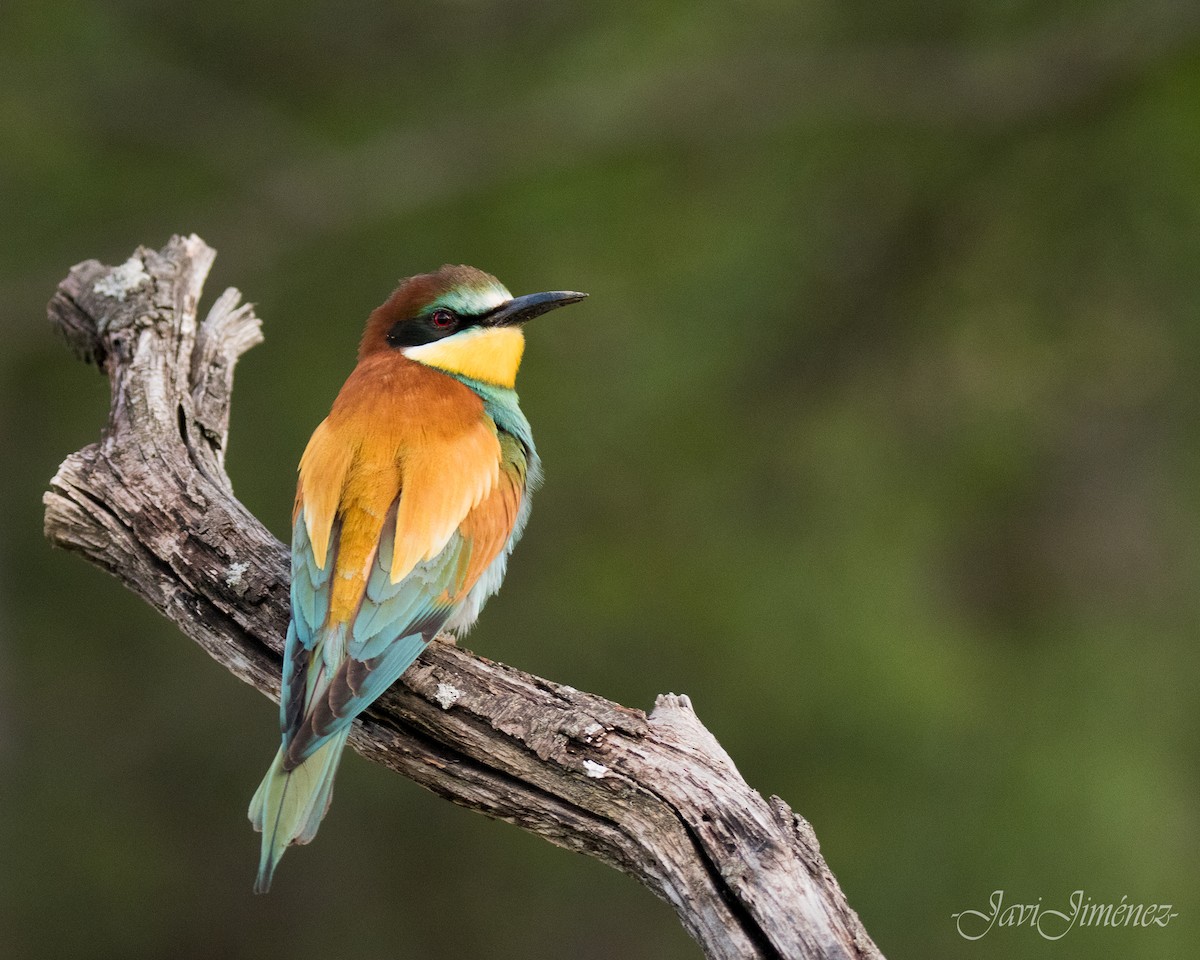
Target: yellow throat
(489, 354)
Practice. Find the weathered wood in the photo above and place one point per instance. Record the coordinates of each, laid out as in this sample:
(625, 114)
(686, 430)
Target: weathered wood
(654, 796)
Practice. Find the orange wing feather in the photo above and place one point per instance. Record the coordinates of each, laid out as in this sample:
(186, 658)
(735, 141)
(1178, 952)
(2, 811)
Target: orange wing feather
(488, 527)
(443, 484)
(398, 427)
(323, 469)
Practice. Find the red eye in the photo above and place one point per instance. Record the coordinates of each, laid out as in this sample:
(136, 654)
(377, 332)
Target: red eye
(442, 319)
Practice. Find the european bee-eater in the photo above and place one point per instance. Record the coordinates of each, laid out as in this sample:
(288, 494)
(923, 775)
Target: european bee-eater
(411, 495)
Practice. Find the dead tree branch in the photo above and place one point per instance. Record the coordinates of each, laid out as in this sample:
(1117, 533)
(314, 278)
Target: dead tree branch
(654, 796)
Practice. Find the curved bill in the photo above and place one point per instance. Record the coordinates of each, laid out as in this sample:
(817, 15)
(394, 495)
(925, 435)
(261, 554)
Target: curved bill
(521, 309)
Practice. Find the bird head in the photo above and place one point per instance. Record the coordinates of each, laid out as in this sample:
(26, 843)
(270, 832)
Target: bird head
(459, 320)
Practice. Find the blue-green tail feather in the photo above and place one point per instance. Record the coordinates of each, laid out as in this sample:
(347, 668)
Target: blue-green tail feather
(289, 804)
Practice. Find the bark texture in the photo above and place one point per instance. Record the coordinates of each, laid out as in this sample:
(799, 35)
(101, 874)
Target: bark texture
(654, 796)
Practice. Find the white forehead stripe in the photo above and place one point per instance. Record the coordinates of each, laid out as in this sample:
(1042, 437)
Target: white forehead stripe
(492, 297)
(474, 300)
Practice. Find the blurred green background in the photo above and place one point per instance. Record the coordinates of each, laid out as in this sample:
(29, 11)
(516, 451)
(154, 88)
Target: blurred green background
(879, 437)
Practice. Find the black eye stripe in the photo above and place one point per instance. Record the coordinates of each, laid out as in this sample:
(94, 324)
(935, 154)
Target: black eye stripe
(427, 327)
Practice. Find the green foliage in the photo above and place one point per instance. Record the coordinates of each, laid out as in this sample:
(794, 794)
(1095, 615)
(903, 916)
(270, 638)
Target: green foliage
(877, 437)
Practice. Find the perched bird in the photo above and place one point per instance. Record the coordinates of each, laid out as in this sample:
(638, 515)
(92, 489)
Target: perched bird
(411, 495)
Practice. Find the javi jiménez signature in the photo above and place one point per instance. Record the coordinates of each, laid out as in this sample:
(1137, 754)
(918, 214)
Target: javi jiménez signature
(1055, 924)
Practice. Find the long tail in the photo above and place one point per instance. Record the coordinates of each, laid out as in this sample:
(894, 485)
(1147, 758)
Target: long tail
(289, 804)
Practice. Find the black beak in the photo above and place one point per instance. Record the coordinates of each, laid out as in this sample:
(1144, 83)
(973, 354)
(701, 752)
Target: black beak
(520, 309)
